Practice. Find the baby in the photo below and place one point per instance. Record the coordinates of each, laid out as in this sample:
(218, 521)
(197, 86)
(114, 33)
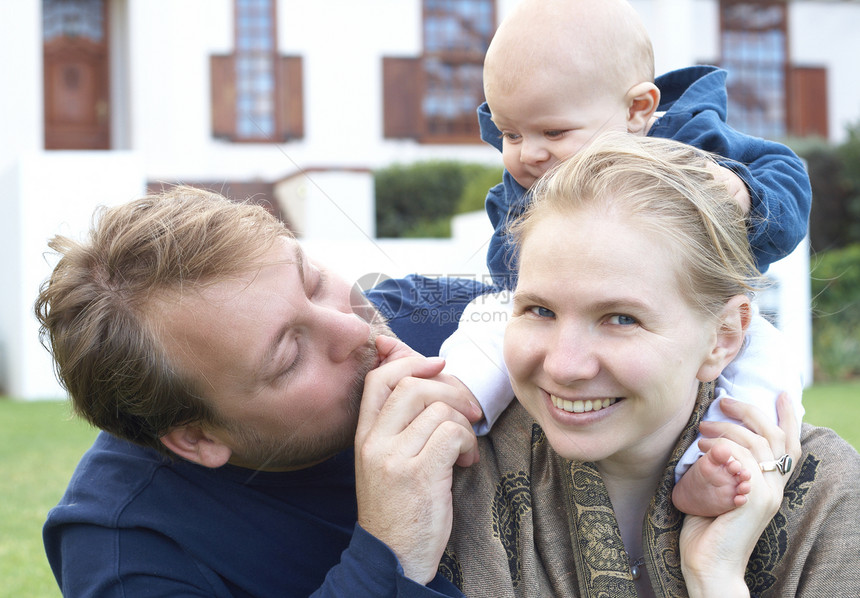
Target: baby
(557, 74)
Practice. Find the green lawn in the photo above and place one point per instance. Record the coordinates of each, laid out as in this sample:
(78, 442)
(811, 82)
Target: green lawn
(40, 445)
(835, 406)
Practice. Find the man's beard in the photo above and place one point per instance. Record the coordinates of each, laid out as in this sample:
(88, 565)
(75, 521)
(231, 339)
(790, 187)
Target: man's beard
(296, 450)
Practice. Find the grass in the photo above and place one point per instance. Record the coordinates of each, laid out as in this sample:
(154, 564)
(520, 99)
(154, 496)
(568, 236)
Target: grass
(39, 447)
(41, 444)
(835, 406)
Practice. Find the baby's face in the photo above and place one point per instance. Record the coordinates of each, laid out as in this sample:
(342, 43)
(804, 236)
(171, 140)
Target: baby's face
(542, 125)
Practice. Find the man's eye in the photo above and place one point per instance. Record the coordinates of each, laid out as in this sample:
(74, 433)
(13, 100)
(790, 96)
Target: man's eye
(318, 281)
(622, 320)
(541, 312)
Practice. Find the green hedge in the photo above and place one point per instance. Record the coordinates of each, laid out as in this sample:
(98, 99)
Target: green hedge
(418, 200)
(836, 313)
(834, 172)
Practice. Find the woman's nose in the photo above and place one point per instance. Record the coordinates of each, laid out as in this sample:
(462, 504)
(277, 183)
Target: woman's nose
(570, 358)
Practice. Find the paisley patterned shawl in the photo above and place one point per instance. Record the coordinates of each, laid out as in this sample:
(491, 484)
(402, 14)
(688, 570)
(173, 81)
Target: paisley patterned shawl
(530, 523)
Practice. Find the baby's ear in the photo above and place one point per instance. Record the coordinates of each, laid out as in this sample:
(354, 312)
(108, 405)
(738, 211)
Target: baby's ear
(196, 444)
(642, 101)
(729, 339)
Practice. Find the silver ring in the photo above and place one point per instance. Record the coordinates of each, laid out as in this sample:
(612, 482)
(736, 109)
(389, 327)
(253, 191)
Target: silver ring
(782, 465)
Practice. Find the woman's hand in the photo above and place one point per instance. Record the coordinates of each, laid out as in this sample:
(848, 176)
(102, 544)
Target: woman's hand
(715, 551)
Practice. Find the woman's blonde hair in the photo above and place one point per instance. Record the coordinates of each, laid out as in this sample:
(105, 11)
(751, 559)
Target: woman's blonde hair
(667, 188)
(98, 309)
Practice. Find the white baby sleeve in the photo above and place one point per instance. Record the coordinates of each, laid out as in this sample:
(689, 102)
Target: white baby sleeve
(474, 354)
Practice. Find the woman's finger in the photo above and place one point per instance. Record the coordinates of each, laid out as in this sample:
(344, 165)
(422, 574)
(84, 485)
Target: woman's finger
(751, 461)
(789, 424)
(776, 447)
(763, 447)
(749, 415)
(756, 421)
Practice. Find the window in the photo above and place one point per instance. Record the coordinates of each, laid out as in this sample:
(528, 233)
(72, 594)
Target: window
(256, 94)
(768, 95)
(456, 37)
(255, 69)
(434, 98)
(754, 52)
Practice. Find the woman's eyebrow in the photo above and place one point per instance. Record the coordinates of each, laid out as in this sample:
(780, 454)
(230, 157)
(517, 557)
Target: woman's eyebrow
(528, 297)
(622, 304)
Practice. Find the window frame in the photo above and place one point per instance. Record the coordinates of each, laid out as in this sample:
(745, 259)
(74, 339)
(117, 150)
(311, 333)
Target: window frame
(286, 101)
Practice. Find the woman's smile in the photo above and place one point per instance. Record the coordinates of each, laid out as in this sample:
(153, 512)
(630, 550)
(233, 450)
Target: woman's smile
(581, 405)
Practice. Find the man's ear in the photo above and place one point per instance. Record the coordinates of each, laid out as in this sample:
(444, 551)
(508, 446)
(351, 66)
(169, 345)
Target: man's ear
(642, 101)
(732, 325)
(194, 443)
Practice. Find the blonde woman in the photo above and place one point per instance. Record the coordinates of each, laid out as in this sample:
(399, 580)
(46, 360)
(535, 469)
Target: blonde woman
(633, 295)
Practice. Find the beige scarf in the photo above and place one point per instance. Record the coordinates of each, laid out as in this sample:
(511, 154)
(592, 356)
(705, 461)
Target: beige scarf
(530, 523)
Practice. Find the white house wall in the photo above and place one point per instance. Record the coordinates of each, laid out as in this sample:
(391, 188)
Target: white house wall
(58, 193)
(21, 127)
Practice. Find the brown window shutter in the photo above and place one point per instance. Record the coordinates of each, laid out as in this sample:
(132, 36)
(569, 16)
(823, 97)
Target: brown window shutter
(223, 81)
(807, 102)
(288, 98)
(401, 91)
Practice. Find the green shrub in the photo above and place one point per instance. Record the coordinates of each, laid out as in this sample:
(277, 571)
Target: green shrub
(429, 229)
(420, 199)
(834, 173)
(849, 152)
(479, 181)
(836, 313)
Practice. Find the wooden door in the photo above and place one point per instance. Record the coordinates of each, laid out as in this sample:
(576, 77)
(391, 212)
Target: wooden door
(77, 109)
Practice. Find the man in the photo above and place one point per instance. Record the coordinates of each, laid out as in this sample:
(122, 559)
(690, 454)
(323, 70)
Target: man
(226, 369)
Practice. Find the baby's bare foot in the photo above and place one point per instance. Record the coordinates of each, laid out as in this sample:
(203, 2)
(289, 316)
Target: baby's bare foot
(715, 484)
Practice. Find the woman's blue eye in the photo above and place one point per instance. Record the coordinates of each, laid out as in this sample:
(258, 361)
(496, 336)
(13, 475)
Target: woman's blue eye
(622, 320)
(541, 312)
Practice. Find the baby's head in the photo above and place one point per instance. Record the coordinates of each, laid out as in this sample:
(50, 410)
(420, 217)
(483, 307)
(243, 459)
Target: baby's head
(560, 71)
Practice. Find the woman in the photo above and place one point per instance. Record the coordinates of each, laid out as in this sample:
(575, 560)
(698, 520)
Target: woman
(634, 272)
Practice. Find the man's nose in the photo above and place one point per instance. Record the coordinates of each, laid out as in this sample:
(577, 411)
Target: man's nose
(345, 332)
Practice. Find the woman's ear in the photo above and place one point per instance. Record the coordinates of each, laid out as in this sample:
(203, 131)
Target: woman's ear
(732, 325)
(194, 443)
(642, 102)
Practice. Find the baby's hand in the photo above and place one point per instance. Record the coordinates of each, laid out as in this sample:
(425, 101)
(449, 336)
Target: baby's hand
(735, 185)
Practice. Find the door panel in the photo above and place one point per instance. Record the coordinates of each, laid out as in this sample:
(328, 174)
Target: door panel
(77, 110)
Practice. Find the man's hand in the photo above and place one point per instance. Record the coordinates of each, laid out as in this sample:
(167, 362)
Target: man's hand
(390, 350)
(411, 432)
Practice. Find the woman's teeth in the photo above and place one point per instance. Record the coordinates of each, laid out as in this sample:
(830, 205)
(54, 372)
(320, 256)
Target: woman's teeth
(580, 406)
